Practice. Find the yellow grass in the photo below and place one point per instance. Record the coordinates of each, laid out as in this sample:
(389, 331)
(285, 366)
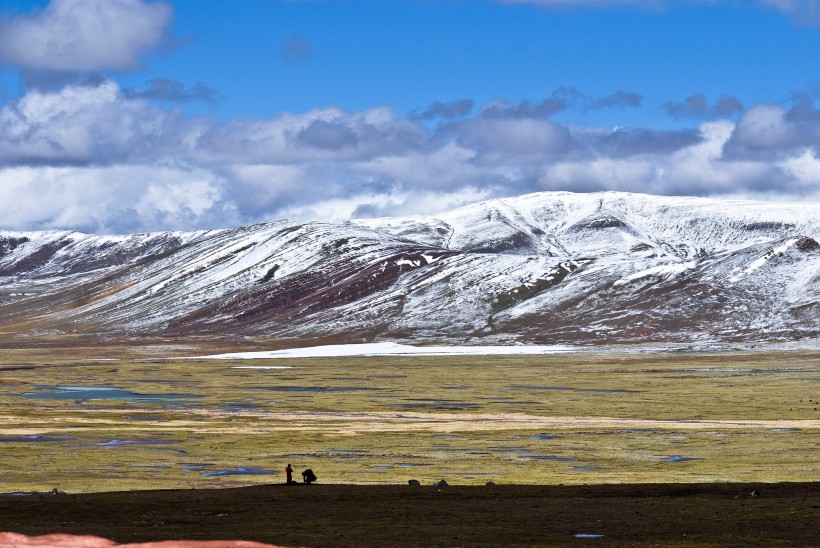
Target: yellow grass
(578, 418)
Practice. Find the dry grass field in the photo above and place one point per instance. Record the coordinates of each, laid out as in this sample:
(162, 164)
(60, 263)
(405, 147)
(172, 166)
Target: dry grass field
(103, 419)
(639, 437)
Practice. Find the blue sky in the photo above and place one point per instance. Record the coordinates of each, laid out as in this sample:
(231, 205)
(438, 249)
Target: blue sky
(136, 115)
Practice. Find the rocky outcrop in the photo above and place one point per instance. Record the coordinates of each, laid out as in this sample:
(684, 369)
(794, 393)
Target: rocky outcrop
(807, 244)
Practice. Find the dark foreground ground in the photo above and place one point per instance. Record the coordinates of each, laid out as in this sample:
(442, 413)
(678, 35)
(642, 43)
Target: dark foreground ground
(785, 514)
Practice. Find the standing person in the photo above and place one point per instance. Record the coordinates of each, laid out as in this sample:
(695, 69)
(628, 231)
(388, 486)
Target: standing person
(289, 474)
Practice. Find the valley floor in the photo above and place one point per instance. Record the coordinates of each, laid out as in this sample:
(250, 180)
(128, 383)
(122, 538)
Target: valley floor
(152, 443)
(97, 419)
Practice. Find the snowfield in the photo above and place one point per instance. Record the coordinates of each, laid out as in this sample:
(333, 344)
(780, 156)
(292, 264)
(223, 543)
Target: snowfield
(389, 349)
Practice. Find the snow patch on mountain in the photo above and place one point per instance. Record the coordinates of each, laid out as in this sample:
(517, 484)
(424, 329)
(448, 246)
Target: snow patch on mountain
(775, 252)
(660, 270)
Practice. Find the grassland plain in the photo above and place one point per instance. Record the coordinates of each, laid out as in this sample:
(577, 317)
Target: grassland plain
(133, 418)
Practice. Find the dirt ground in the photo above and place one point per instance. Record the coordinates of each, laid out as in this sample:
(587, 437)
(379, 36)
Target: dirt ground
(725, 514)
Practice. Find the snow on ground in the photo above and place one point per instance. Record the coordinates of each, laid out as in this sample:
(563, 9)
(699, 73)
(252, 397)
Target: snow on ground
(396, 349)
(762, 260)
(389, 349)
(661, 270)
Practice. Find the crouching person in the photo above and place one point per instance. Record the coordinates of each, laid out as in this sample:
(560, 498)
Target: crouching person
(308, 476)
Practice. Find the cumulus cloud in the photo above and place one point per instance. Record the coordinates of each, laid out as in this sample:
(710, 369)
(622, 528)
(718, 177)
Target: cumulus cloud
(110, 160)
(450, 110)
(83, 125)
(619, 99)
(763, 130)
(697, 106)
(450, 166)
(51, 80)
(804, 168)
(116, 199)
(696, 169)
(803, 110)
(84, 35)
(327, 136)
(524, 109)
(164, 89)
(624, 142)
(416, 203)
(727, 106)
(773, 132)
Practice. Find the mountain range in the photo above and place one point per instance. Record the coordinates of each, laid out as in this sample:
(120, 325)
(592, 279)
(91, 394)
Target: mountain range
(546, 268)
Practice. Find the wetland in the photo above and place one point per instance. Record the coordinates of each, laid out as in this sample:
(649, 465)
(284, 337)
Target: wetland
(146, 443)
(109, 419)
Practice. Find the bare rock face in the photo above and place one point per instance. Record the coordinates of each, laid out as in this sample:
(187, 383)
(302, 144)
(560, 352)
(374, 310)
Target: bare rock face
(10, 243)
(807, 244)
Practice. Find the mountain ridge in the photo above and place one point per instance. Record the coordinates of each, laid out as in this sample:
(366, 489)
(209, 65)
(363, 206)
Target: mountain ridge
(546, 268)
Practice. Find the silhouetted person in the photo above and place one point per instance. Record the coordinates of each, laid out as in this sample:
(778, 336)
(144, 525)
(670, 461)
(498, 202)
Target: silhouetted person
(289, 474)
(308, 476)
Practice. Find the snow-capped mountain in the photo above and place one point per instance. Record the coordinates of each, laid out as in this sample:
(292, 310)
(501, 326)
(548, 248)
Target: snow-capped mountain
(541, 268)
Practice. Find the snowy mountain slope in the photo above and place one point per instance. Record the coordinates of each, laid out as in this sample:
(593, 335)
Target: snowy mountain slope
(562, 222)
(59, 253)
(547, 268)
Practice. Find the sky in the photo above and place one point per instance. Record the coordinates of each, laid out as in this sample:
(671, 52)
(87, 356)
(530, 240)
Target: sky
(124, 116)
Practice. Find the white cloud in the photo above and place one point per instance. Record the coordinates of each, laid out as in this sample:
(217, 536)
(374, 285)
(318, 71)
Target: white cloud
(95, 158)
(387, 204)
(601, 174)
(84, 35)
(702, 169)
(698, 169)
(112, 199)
(805, 168)
(96, 124)
(445, 167)
(763, 127)
(770, 131)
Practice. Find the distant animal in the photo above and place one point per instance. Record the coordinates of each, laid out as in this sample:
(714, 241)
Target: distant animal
(413, 482)
(308, 476)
